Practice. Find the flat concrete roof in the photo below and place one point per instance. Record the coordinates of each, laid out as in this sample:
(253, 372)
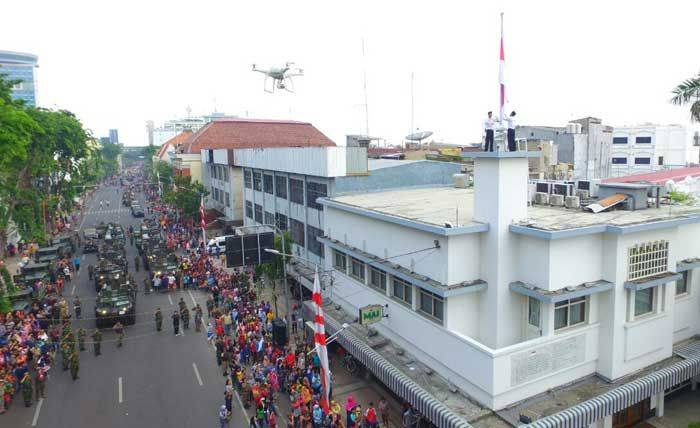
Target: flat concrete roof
(439, 205)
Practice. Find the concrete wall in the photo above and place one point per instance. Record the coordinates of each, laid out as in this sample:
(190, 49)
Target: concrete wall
(423, 173)
(316, 161)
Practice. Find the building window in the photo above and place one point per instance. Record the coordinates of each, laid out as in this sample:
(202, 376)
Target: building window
(357, 269)
(247, 179)
(281, 186)
(431, 305)
(377, 279)
(642, 161)
(268, 184)
(568, 313)
(534, 307)
(643, 301)
(297, 229)
(340, 261)
(313, 191)
(682, 284)
(249, 209)
(402, 291)
(619, 140)
(314, 246)
(269, 218)
(281, 221)
(619, 161)
(226, 174)
(642, 140)
(647, 259)
(257, 180)
(296, 191)
(258, 213)
(228, 199)
(661, 160)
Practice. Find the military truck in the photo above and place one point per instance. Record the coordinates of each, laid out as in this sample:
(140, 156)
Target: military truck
(49, 254)
(109, 273)
(32, 273)
(115, 304)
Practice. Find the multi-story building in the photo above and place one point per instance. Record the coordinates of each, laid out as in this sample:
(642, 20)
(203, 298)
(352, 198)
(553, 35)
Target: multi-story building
(114, 136)
(563, 317)
(169, 129)
(20, 66)
(584, 143)
(648, 148)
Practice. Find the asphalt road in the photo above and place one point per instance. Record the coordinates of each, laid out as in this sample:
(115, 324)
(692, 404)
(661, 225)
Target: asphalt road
(156, 379)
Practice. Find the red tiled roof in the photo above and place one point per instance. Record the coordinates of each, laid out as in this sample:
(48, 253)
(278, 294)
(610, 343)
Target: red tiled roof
(660, 177)
(236, 133)
(173, 142)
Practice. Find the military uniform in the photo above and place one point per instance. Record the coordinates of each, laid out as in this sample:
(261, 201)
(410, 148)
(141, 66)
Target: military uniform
(159, 320)
(119, 329)
(27, 391)
(185, 315)
(176, 322)
(137, 262)
(74, 365)
(77, 307)
(97, 339)
(81, 338)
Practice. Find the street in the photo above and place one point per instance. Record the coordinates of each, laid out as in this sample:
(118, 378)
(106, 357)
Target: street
(156, 379)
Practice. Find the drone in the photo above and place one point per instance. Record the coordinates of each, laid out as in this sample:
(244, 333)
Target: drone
(281, 77)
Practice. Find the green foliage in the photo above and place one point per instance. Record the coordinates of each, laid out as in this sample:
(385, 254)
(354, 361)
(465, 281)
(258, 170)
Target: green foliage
(679, 197)
(694, 425)
(275, 270)
(7, 279)
(109, 154)
(183, 194)
(5, 305)
(688, 92)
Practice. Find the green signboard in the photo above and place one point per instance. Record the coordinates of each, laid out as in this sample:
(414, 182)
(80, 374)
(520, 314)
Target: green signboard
(370, 314)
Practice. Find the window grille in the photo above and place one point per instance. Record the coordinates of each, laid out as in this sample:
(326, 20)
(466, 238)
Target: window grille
(647, 260)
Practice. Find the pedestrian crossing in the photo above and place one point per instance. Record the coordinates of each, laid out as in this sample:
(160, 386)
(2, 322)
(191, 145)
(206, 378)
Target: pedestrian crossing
(112, 211)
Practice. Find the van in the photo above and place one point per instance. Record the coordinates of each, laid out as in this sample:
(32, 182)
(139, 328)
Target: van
(219, 241)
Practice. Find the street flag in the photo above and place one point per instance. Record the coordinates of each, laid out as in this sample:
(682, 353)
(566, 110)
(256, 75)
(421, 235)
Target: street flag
(502, 78)
(202, 223)
(320, 341)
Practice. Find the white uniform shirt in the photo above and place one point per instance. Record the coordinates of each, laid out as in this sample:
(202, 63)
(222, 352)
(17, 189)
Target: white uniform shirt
(510, 120)
(489, 123)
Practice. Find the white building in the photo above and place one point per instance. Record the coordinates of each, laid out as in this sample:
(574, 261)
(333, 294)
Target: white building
(647, 148)
(171, 128)
(506, 302)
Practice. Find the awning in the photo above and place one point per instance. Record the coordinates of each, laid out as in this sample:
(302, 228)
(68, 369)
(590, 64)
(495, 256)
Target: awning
(688, 264)
(431, 408)
(652, 281)
(689, 350)
(585, 413)
(566, 293)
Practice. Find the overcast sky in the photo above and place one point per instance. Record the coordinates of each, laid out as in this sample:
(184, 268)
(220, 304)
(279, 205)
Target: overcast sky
(118, 64)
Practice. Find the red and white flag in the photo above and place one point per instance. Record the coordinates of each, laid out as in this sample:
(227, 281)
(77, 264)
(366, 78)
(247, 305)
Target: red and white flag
(202, 222)
(502, 78)
(320, 341)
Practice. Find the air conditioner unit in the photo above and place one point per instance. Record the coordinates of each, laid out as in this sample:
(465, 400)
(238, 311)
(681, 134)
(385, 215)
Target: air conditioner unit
(583, 194)
(572, 202)
(556, 200)
(543, 186)
(542, 198)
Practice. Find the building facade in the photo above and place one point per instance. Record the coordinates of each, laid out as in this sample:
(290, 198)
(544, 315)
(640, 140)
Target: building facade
(114, 136)
(649, 148)
(507, 302)
(20, 66)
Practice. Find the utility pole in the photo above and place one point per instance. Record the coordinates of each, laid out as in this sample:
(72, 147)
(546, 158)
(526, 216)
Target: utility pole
(364, 74)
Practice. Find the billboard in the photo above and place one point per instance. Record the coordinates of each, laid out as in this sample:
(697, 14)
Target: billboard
(249, 249)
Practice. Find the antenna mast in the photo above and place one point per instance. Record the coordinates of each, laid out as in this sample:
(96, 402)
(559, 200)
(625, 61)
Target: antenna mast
(412, 109)
(364, 74)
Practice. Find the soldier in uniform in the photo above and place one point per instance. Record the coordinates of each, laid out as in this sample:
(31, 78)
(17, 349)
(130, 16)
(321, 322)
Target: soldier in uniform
(40, 383)
(182, 304)
(26, 383)
(176, 322)
(119, 330)
(137, 261)
(74, 365)
(97, 341)
(81, 338)
(91, 271)
(197, 318)
(159, 320)
(185, 315)
(76, 307)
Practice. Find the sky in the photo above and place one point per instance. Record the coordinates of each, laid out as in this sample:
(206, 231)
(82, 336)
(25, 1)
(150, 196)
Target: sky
(117, 64)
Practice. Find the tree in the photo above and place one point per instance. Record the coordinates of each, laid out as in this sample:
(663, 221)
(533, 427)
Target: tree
(688, 92)
(110, 158)
(184, 195)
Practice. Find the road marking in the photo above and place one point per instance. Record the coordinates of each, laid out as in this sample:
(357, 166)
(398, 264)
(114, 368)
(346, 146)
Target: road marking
(194, 302)
(170, 299)
(240, 403)
(72, 291)
(36, 412)
(120, 391)
(196, 373)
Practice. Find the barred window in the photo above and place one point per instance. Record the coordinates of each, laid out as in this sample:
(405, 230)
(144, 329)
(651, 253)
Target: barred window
(249, 209)
(268, 184)
(647, 260)
(281, 221)
(257, 180)
(377, 279)
(340, 261)
(357, 269)
(296, 191)
(269, 218)
(313, 191)
(431, 305)
(281, 186)
(258, 213)
(402, 291)
(247, 179)
(297, 229)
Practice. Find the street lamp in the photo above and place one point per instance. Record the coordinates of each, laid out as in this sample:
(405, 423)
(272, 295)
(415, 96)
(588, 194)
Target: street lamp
(279, 253)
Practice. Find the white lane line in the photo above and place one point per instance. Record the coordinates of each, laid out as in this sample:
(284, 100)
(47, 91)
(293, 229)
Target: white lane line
(194, 302)
(121, 397)
(240, 403)
(170, 299)
(72, 291)
(196, 373)
(36, 412)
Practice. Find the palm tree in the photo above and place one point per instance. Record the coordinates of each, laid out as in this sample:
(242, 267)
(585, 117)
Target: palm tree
(688, 92)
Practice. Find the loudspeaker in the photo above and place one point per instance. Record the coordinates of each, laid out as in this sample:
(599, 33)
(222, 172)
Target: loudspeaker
(279, 332)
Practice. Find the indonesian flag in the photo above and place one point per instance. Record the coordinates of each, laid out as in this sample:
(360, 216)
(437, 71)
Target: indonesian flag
(320, 341)
(502, 78)
(202, 223)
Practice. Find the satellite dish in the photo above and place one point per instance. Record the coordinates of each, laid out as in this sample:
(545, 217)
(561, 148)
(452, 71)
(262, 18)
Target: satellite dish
(419, 136)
